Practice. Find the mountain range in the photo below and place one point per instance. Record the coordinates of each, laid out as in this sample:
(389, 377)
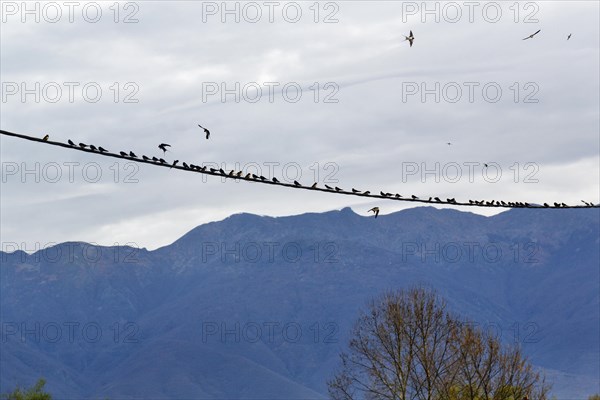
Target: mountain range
(260, 307)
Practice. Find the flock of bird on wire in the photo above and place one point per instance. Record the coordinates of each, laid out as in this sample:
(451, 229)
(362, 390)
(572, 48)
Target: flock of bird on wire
(164, 147)
(249, 176)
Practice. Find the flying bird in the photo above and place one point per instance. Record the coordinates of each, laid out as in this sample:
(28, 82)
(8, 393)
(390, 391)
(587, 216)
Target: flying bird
(569, 37)
(449, 144)
(163, 147)
(45, 138)
(532, 35)
(70, 142)
(375, 210)
(410, 38)
(205, 131)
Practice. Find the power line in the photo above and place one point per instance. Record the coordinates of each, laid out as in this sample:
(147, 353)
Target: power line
(289, 185)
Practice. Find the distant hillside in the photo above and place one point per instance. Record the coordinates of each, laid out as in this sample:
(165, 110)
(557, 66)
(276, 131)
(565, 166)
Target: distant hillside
(259, 307)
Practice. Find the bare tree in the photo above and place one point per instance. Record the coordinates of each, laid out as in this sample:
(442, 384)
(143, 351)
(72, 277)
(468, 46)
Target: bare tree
(407, 346)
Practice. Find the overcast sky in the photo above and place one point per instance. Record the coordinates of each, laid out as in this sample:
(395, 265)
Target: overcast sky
(380, 120)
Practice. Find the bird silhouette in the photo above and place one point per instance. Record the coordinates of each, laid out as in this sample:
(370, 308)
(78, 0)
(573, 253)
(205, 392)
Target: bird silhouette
(205, 131)
(569, 37)
(375, 210)
(123, 154)
(367, 193)
(328, 187)
(414, 197)
(248, 175)
(160, 160)
(337, 189)
(132, 154)
(314, 185)
(163, 147)
(397, 195)
(93, 148)
(532, 35)
(239, 174)
(410, 38)
(174, 163)
(355, 191)
(275, 180)
(45, 138)
(70, 142)
(297, 183)
(102, 149)
(186, 166)
(437, 199)
(82, 145)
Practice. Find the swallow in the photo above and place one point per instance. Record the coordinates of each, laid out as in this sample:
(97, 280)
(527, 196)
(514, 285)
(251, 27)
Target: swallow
(564, 205)
(414, 197)
(254, 176)
(221, 171)
(532, 35)
(93, 148)
(212, 170)
(367, 193)
(193, 167)
(410, 38)
(160, 160)
(239, 174)
(70, 142)
(297, 183)
(355, 191)
(383, 194)
(432, 197)
(546, 205)
(205, 131)
(132, 154)
(485, 165)
(231, 172)
(154, 159)
(102, 149)
(397, 195)
(314, 185)
(82, 145)
(328, 187)
(375, 210)
(337, 189)
(202, 168)
(275, 180)
(248, 175)
(437, 199)
(45, 138)
(123, 154)
(186, 166)
(145, 158)
(174, 163)
(262, 178)
(569, 37)
(163, 147)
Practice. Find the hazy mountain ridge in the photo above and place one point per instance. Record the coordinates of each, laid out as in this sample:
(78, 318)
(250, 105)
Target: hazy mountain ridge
(236, 271)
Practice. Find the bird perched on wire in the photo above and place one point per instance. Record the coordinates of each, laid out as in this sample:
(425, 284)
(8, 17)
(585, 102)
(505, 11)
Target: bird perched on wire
(93, 148)
(410, 38)
(45, 138)
(102, 149)
(163, 147)
(205, 131)
(375, 210)
(132, 154)
(70, 142)
(532, 35)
